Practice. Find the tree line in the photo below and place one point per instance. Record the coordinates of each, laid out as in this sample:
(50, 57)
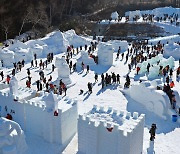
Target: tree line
(43, 16)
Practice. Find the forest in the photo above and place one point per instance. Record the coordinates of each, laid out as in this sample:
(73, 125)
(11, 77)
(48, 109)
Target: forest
(43, 16)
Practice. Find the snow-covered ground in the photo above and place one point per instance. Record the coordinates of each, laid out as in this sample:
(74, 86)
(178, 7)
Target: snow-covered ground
(168, 132)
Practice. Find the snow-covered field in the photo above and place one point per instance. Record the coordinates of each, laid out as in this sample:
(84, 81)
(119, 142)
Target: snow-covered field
(114, 95)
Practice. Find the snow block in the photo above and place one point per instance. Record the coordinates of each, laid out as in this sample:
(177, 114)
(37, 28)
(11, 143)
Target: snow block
(63, 70)
(104, 132)
(105, 54)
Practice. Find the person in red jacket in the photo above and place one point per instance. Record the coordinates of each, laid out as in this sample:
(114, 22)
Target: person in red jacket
(8, 116)
(138, 69)
(172, 84)
(8, 79)
(28, 84)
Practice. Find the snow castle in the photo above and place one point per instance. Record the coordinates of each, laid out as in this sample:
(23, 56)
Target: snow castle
(47, 115)
(108, 131)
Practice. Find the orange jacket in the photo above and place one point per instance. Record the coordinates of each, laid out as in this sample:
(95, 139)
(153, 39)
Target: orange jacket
(172, 84)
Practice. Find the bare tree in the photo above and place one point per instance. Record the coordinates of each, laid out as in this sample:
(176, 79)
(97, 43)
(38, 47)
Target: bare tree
(25, 19)
(62, 8)
(6, 26)
(39, 17)
(71, 6)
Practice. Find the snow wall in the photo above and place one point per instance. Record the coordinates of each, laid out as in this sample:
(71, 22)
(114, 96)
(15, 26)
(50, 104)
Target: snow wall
(155, 101)
(94, 138)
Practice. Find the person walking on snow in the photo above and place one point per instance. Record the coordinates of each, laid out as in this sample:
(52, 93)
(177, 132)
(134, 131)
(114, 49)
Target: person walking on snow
(74, 67)
(28, 72)
(32, 64)
(2, 75)
(53, 67)
(152, 132)
(87, 69)
(148, 66)
(90, 87)
(8, 79)
(170, 73)
(118, 79)
(28, 84)
(96, 77)
(129, 66)
(82, 66)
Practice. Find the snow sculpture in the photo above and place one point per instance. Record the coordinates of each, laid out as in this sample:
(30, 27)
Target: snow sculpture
(21, 54)
(172, 50)
(114, 16)
(155, 101)
(143, 67)
(37, 47)
(154, 69)
(109, 131)
(75, 39)
(21, 51)
(51, 102)
(12, 139)
(85, 59)
(105, 54)
(153, 72)
(7, 56)
(133, 14)
(13, 85)
(63, 70)
(16, 45)
(56, 42)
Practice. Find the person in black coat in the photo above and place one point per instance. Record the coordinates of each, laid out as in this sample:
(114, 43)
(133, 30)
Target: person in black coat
(118, 79)
(2, 75)
(152, 132)
(38, 83)
(90, 87)
(87, 69)
(96, 77)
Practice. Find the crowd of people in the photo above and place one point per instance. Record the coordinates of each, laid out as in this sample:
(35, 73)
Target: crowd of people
(137, 52)
(173, 18)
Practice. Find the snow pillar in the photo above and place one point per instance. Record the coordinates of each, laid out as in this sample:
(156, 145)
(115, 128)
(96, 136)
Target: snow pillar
(105, 54)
